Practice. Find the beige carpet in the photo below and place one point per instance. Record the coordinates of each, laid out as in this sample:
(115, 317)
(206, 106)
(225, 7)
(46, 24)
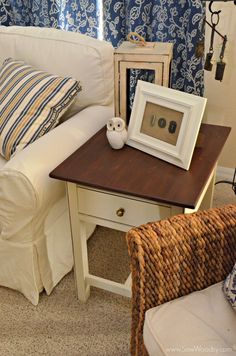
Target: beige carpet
(60, 325)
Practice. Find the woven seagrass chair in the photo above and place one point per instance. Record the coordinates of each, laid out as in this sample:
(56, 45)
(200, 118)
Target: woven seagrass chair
(175, 257)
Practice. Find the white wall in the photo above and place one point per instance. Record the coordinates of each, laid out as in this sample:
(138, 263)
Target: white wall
(221, 104)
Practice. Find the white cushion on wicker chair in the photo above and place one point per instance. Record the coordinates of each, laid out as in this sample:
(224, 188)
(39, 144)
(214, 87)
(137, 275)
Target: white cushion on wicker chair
(200, 323)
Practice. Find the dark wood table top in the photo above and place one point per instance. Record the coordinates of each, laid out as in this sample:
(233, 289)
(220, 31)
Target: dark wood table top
(133, 172)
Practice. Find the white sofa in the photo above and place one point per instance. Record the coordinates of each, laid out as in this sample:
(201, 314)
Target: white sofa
(35, 244)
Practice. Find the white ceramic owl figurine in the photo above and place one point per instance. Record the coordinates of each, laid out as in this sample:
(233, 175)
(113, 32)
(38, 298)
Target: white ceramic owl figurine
(116, 132)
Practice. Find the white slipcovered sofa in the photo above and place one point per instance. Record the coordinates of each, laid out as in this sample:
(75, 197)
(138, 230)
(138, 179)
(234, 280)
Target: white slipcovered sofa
(35, 244)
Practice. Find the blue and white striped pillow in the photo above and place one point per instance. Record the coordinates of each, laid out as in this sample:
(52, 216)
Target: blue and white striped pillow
(31, 103)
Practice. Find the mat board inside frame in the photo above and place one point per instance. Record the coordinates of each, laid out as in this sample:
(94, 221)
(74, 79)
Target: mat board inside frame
(161, 123)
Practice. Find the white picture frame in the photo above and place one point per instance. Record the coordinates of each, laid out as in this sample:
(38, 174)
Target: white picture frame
(165, 123)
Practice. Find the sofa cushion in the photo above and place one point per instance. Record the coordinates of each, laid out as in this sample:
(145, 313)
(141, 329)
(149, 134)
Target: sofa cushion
(200, 323)
(31, 104)
(229, 287)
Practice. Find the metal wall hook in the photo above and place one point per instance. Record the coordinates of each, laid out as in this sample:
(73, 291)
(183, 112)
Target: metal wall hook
(211, 11)
(220, 65)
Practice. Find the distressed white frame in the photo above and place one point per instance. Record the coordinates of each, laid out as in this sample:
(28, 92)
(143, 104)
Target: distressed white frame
(192, 107)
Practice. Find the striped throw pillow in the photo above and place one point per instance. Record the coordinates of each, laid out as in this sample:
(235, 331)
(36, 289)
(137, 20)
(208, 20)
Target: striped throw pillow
(31, 103)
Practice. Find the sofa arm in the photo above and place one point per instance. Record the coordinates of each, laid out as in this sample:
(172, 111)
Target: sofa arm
(25, 185)
(174, 257)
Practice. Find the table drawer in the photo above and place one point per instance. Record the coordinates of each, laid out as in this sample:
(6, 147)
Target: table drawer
(119, 209)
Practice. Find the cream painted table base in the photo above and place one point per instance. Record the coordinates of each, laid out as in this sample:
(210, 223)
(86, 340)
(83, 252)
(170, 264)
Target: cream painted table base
(106, 209)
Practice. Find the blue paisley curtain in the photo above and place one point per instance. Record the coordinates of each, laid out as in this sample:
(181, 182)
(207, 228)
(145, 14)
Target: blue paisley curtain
(71, 15)
(177, 21)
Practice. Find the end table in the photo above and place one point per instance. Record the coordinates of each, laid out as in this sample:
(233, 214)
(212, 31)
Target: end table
(120, 189)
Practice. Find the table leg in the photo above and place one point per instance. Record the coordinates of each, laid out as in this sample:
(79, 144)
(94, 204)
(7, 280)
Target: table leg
(208, 197)
(79, 242)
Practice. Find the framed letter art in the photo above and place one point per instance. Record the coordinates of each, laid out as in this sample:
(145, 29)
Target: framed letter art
(165, 123)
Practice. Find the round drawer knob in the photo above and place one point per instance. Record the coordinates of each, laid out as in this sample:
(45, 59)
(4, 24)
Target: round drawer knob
(120, 212)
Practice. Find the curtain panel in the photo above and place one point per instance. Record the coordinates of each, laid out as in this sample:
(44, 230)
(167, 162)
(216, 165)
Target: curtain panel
(176, 21)
(179, 22)
(71, 15)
